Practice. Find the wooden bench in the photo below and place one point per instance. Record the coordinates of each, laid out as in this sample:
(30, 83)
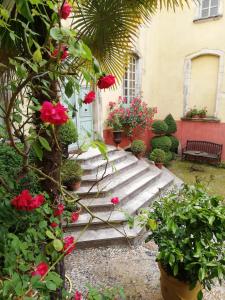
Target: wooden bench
(202, 151)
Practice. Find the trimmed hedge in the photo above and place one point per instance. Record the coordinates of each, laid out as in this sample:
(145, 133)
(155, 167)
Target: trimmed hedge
(161, 142)
(159, 127)
(158, 156)
(171, 123)
(138, 146)
(175, 143)
(68, 133)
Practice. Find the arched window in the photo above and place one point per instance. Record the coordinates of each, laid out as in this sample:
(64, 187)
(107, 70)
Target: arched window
(131, 81)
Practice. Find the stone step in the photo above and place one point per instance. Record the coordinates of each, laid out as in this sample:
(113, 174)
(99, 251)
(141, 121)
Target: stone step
(136, 169)
(125, 192)
(141, 200)
(99, 165)
(92, 155)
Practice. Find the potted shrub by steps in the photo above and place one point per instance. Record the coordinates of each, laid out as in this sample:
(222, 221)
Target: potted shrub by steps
(158, 156)
(117, 130)
(67, 135)
(71, 174)
(188, 225)
(138, 148)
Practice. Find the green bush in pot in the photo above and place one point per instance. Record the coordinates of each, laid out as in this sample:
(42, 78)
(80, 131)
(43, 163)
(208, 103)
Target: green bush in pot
(159, 127)
(171, 123)
(161, 142)
(138, 147)
(189, 228)
(71, 174)
(67, 135)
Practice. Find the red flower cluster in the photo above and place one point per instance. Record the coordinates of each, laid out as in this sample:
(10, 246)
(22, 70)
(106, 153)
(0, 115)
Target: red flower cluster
(115, 200)
(53, 114)
(105, 82)
(65, 11)
(54, 224)
(89, 98)
(59, 210)
(25, 201)
(40, 270)
(69, 244)
(63, 53)
(74, 216)
(77, 296)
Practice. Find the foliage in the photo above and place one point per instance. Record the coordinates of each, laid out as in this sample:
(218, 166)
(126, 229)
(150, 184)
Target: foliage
(105, 294)
(168, 157)
(138, 146)
(71, 171)
(68, 133)
(171, 123)
(161, 142)
(194, 112)
(159, 127)
(130, 115)
(115, 123)
(188, 225)
(158, 156)
(174, 143)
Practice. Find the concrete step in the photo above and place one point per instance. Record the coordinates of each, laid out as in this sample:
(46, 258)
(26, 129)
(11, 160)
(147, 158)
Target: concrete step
(136, 169)
(125, 192)
(92, 155)
(118, 215)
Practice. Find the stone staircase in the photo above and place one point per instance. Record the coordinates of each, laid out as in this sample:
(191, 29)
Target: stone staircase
(135, 182)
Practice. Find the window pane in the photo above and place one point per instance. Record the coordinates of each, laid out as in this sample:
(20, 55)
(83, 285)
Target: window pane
(214, 3)
(213, 11)
(205, 4)
(205, 13)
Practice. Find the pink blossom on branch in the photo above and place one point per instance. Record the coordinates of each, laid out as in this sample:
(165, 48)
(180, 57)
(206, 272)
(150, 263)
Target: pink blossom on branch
(89, 97)
(77, 296)
(25, 201)
(41, 269)
(63, 53)
(74, 216)
(69, 243)
(55, 114)
(115, 200)
(59, 210)
(65, 10)
(106, 81)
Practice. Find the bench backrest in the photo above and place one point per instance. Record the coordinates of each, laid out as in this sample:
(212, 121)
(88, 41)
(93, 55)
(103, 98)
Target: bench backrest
(204, 146)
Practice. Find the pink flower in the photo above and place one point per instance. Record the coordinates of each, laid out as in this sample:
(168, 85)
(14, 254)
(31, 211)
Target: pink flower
(105, 82)
(115, 200)
(25, 201)
(53, 113)
(74, 216)
(77, 296)
(40, 270)
(54, 224)
(65, 11)
(154, 110)
(112, 104)
(63, 53)
(59, 210)
(89, 98)
(69, 243)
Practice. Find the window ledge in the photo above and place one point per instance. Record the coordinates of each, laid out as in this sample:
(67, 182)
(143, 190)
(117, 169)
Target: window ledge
(204, 120)
(202, 20)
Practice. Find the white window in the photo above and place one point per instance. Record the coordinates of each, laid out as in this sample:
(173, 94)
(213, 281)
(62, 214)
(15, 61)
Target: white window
(131, 84)
(209, 8)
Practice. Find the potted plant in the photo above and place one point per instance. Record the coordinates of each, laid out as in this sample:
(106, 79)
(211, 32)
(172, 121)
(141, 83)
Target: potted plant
(158, 156)
(67, 135)
(138, 148)
(202, 112)
(117, 129)
(71, 174)
(188, 225)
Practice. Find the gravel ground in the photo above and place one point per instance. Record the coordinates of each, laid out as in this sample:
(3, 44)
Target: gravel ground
(134, 269)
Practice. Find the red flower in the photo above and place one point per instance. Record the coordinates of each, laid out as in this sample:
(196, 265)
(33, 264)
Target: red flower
(63, 52)
(74, 216)
(89, 98)
(25, 201)
(53, 114)
(105, 82)
(54, 224)
(40, 270)
(65, 11)
(69, 244)
(59, 210)
(115, 200)
(77, 296)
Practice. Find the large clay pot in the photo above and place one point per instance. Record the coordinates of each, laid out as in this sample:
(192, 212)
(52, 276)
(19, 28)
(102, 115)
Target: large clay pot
(117, 137)
(174, 289)
(139, 155)
(74, 186)
(159, 165)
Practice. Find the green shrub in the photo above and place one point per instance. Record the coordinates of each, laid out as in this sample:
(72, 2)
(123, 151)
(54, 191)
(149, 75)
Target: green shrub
(175, 143)
(171, 123)
(138, 146)
(68, 133)
(71, 171)
(161, 142)
(168, 157)
(158, 156)
(159, 127)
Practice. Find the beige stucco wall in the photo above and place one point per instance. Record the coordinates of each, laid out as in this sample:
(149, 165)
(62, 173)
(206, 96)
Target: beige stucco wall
(164, 46)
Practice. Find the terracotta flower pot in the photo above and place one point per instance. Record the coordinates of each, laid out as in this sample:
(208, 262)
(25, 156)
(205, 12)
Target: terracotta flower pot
(174, 289)
(159, 165)
(74, 186)
(139, 155)
(117, 137)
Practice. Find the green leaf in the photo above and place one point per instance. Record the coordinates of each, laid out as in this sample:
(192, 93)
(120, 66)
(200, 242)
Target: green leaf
(57, 244)
(24, 10)
(37, 56)
(56, 33)
(211, 219)
(175, 270)
(44, 143)
(201, 274)
(96, 66)
(51, 285)
(152, 224)
(37, 149)
(69, 88)
(200, 295)
(171, 260)
(50, 234)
